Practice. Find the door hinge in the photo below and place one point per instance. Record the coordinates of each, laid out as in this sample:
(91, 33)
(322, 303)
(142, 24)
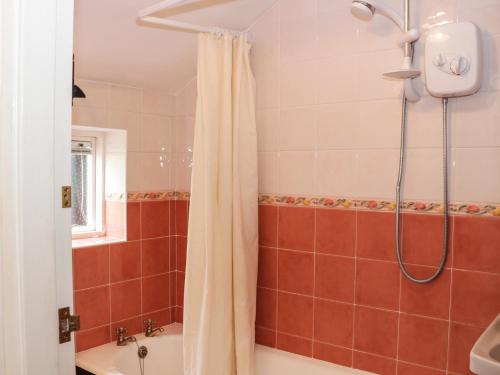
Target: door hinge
(66, 196)
(67, 323)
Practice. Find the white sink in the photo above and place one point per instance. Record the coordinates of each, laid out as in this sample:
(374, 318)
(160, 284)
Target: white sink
(485, 355)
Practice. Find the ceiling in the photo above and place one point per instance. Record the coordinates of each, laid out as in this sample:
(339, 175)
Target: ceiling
(111, 46)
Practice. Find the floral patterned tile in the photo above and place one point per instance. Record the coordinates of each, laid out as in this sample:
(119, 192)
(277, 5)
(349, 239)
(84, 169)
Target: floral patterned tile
(479, 209)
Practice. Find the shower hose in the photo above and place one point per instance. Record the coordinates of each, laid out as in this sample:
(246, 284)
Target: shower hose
(402, 158)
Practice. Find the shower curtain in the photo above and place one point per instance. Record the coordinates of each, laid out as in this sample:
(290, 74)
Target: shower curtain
(221, 269)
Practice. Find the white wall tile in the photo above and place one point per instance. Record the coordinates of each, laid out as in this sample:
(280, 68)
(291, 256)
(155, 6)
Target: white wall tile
(337, 126)
(299, 38)
(475, 120)
(377, 172)
(158, 103)
(129, 121)
(267, 77)
(89, 116)
(156, 169)
(268, 172)
(380, 124)
(134, 171)
(299, 83)
(336, 173)
(476, 175)
(266, 37)
(297, 129)
(338, 79)
(125, 98)
(96, 94)
(267, 129)
(372, 85)
(296, 171)
(423, 177)
(157, 134)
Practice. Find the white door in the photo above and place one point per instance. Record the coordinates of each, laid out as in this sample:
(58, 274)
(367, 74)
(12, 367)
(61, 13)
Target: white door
(35, 240)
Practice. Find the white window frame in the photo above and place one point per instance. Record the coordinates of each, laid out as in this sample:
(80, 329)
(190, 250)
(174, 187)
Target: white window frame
(96, 229)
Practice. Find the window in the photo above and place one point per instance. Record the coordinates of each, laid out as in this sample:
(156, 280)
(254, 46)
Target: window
(86, 181)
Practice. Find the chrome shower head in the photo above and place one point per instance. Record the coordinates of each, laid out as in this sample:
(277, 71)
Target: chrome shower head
(366, 9)
(362, 10)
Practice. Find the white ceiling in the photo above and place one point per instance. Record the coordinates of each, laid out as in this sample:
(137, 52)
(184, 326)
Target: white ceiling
(110, 45)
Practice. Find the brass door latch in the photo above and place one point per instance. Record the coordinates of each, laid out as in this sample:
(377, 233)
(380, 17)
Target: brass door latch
(67, 323)
(66, 196)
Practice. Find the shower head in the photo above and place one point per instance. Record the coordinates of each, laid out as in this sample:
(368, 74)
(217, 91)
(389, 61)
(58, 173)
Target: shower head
(362, 10)
(366, 9)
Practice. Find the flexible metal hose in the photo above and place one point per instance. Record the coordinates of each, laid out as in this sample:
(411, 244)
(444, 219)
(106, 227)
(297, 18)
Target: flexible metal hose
(445, 193)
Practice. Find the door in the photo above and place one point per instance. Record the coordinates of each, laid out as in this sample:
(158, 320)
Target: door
(36, 230)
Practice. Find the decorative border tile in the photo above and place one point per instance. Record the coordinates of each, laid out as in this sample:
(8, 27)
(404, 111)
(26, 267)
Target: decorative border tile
(149, 196)
(485, 209)
(382, 205)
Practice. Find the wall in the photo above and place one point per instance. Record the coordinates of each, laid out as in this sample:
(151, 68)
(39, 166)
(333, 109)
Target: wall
(123, 284)
(329, 127)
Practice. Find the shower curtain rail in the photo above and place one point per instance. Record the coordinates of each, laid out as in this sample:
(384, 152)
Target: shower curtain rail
(146, 16)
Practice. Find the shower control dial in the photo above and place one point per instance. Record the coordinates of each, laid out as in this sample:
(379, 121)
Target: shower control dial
(459, 65)
(439, 60)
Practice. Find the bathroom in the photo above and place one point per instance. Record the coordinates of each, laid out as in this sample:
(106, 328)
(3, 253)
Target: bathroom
(342, 213)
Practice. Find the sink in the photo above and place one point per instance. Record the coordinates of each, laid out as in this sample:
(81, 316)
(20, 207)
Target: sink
(485, 355)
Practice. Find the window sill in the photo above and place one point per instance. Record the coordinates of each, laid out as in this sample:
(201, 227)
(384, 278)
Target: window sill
(95, 241)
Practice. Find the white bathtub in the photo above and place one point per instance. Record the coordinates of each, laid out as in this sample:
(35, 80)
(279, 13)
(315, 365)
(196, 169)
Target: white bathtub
(165, 358)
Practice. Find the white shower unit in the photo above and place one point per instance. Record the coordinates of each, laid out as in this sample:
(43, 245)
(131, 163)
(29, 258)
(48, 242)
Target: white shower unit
(453, 63)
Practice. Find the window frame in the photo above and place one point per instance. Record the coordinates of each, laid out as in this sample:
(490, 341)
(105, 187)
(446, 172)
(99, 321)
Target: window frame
(97, 228)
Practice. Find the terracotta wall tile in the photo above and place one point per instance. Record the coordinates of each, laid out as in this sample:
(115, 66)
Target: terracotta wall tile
(264, 336)
(155, 256)
(181, 249)
(335, 231)
(90, 267)
(431, 299)
(125, 300)
(294, 344)
(181, 218)
(295, 272)
(133, 221)
(477, 241)
(376, 235)
(475, 297)
(295, 315)
(411, 369)
(296, 228)
(333, 354)
(268, 271)
(160, 318)
(375, 331)
(155, 293)
(462, 339)
(335, 278)
(423, 237)
(125, 261)
(375, 364)
(377, 284)
(333, 322)
(92, 338)
(268, 225)
(133, 326)
(267, 304)
(155, 218)
(423, 341)
(93, 307)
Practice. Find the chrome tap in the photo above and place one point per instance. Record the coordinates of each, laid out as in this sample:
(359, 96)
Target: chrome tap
(150, 331)
(122, 339)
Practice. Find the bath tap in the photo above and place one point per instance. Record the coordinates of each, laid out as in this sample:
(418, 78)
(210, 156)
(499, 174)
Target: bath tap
(122, 339)
(150, 331)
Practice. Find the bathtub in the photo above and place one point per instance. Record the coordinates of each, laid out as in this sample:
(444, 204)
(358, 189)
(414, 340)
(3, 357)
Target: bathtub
(165, 358)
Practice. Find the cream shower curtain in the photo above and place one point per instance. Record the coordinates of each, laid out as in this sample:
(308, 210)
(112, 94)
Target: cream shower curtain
(221, 271)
